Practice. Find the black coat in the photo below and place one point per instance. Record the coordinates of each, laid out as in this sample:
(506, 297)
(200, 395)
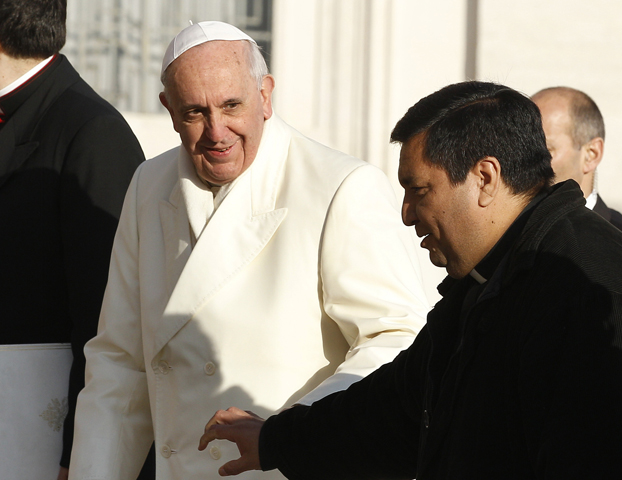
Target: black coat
(525, 382)
(66, 160)
(612, 216)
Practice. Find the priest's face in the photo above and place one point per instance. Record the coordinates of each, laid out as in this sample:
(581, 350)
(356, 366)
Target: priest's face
(217, 108)
(442, 213)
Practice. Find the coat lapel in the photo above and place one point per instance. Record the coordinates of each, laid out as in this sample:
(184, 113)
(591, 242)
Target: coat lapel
(240, 228)
(445, 329)
(176, 232)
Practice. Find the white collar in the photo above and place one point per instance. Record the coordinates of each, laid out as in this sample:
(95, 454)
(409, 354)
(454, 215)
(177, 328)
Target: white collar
(25, 77)
(590, 201)
(476, 275)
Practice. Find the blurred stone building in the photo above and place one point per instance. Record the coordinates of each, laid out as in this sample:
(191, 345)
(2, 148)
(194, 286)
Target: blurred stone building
(117, 45)
(347, 70)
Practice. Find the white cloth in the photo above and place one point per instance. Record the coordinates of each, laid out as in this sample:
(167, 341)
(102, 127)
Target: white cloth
(304, 271)
(592, 198)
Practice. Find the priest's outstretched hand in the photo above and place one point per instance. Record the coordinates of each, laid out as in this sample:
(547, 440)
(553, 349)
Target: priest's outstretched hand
(240, 427)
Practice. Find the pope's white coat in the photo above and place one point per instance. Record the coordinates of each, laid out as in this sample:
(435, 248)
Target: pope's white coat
(305, 264)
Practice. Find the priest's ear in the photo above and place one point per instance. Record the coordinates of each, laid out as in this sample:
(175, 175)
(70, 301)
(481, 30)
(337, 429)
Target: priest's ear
(487, 172)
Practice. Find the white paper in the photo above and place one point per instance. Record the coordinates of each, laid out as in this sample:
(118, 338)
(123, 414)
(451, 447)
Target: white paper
(34, 381)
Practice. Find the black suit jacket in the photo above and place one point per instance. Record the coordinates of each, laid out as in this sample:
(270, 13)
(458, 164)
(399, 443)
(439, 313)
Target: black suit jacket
(66, 160)
(612, 216)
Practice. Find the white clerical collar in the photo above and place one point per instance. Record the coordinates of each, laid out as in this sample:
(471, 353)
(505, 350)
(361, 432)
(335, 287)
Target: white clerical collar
(478, 278)
(590, 201)
(25, 77)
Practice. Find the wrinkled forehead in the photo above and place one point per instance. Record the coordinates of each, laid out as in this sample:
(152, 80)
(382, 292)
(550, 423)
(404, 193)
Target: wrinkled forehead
(214, 54)
(216, 63)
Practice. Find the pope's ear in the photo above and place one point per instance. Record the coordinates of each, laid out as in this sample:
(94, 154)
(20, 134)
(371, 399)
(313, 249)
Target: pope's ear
(267, 87)
(165, 103)
(488, 174)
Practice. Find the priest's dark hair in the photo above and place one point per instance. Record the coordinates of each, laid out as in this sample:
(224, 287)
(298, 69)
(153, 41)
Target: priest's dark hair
(465, 122)
(32, 28)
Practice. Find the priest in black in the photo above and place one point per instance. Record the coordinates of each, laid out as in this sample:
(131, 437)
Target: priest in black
(518, 372)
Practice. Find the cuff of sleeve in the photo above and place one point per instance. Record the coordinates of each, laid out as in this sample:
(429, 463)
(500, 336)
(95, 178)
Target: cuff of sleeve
(267, 457)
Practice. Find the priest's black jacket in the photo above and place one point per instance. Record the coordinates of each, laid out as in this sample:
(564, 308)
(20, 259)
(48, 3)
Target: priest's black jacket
(66, 159)
(517, 378)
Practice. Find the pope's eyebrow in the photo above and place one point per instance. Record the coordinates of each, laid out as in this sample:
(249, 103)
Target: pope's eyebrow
(191, 106)
(232, 100)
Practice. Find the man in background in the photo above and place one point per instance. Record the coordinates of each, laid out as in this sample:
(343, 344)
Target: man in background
(252, 265)
(66, 159)
(575, 136)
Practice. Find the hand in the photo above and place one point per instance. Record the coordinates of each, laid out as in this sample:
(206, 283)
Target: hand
(63, 474)
(240, 427)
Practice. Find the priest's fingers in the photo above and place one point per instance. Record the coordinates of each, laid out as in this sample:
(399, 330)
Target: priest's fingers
(241, 465)
(234, 425)
(240, 427)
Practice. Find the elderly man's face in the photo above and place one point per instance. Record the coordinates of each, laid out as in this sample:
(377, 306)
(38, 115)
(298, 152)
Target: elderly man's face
(567, 160)
(217, 108)
(442, 213)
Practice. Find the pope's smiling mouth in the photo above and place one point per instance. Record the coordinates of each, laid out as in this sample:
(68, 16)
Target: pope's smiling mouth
(217, 152)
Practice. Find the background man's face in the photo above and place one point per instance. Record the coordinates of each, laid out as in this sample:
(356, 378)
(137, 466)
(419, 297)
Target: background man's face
(217, 109)
(439, 211)
(566, 158)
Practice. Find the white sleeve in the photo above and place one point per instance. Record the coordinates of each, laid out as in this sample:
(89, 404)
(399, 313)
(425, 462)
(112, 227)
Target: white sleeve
(371, 280)
(113, 429)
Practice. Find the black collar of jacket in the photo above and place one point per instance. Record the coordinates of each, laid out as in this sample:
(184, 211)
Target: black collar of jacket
(28, 107)
(36, 95)
(10, 102)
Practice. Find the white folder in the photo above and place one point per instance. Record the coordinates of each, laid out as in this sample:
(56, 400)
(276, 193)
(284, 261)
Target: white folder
(34, 381)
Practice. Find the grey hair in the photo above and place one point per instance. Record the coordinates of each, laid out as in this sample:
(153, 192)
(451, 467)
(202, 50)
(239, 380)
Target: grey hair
(258, 67)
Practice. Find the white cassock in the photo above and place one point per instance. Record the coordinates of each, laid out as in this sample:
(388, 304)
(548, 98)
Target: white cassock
(303, 281)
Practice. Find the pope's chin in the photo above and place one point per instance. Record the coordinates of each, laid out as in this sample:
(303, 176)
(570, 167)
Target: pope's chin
(218, 172)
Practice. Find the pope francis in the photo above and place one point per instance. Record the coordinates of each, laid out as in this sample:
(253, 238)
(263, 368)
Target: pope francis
(252, 266)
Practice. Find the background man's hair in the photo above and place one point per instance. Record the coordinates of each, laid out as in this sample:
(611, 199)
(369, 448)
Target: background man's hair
(32, 28)
(585, 117)
(465, 122)
(256, 62)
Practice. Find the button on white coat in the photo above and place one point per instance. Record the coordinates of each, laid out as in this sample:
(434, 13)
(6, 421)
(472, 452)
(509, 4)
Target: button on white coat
(164, 367)
(215, 453)
(166, 451)
(209, 368)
